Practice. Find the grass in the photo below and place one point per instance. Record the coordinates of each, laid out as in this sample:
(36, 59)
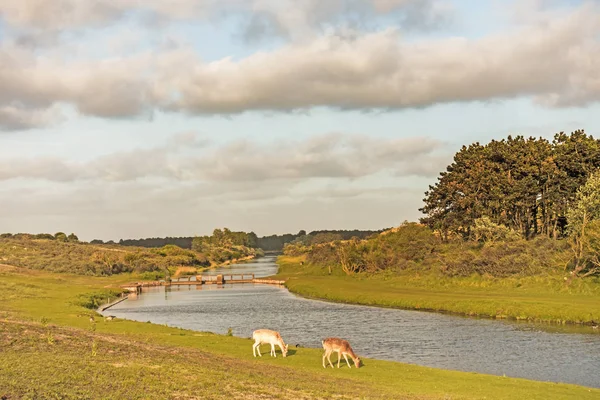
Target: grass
(49, 349)
(539, 298)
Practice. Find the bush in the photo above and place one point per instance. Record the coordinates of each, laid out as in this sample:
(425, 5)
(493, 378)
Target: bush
(487, 231)
(96, 299)
(498, 252)
(88, 259)
(502, 259)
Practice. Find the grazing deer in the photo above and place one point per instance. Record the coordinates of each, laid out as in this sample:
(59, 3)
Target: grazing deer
(342, 347)
(266, 336)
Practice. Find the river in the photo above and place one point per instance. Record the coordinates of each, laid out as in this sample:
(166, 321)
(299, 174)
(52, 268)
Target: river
(539, 352)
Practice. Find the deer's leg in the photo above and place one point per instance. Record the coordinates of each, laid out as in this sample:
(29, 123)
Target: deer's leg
(346, 357)
(257, 345)
(339, 357)
(329, 358)
(273, 350)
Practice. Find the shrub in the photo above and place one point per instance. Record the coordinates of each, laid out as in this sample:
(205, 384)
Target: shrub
(485, 230)
(502, 259)
(96, 299)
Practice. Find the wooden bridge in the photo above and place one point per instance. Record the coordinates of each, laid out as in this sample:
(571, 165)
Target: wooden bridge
(220, 279)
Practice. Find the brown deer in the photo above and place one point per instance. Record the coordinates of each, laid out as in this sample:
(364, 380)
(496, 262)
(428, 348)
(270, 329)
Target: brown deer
(342, 347)
(267, 336)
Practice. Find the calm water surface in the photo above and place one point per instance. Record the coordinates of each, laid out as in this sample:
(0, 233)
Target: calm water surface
(435, 340)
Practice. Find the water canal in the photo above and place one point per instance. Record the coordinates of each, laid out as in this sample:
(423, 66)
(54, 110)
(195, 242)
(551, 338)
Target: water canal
(539, 352)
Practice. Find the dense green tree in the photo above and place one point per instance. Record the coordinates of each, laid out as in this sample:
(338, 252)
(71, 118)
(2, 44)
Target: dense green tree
(73, 238)
(523, 183)
(584, 227)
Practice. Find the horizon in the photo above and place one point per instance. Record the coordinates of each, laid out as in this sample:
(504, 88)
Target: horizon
(116, 241)
(125, 120)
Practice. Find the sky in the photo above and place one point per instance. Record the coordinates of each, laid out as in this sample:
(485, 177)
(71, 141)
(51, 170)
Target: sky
(133, 119)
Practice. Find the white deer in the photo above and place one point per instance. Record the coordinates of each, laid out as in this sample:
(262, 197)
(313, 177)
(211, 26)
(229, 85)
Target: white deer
(342, 347)
(267, 336)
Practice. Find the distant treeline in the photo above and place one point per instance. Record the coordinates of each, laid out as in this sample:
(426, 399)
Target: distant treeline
(183, 242)
(267, 243)
(59, 236)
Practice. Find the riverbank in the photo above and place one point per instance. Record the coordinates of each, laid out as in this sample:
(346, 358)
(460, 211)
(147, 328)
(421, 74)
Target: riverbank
(537, 299)
(47, 338)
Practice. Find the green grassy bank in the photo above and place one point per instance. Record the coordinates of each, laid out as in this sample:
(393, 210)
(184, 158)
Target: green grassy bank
(539, 298)
(50, 349)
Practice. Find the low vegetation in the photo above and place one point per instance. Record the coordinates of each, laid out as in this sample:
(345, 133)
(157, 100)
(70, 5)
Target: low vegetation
(225, 245)
(499, 275)
(31, 251)
(415, 247)
(50, 349)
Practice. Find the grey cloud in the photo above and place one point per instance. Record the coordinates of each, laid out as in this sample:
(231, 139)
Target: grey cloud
(19, 118)
(376, 71)
(112, 88)
(325, 156)
(187, 158)
(120, 210)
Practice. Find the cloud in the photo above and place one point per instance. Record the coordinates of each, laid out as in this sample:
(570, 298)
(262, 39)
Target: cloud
(33, 87)
(379, 71)
(295, 17)
(18, 118)
(553, 61)
(189, 159)
(137, 209)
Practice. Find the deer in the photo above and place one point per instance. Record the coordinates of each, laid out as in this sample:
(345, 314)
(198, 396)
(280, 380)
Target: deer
(267, 336)
(342, 347)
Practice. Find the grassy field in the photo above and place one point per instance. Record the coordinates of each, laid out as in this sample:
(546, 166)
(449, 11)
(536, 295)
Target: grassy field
(541, 298)
(50, 349)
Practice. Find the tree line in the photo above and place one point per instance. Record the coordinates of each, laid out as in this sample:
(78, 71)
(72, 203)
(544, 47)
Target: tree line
(58, 236)
(526, 184)
(250, 239)
(498, 209)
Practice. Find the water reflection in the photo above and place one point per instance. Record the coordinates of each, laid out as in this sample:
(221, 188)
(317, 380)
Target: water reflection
(444, 341)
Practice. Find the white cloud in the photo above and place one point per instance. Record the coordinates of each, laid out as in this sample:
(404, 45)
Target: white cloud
(325, 156)
(379, 71)
(553, 61)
